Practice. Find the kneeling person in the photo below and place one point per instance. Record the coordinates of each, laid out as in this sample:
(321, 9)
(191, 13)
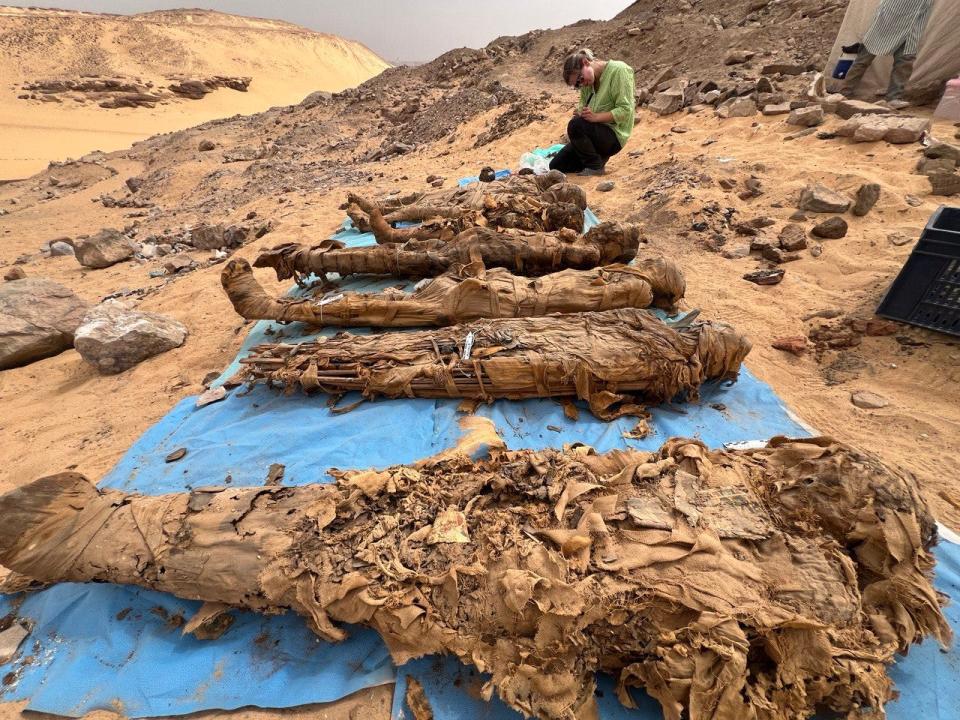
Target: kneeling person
(603, 120)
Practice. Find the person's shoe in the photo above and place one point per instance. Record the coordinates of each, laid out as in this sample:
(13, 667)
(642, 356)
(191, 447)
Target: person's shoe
(590, 172)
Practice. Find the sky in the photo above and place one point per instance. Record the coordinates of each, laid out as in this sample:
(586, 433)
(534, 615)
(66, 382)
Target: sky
(397, 30)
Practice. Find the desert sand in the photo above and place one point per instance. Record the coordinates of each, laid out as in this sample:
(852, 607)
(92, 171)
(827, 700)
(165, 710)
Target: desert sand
(60, 414)
(286, 63)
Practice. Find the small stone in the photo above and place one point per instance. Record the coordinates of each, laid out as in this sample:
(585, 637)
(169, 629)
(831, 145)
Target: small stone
(831, 229)
(736, 252)
(848, 108)
(60, 249)
(14, 273)
(778, 109)
(765, 277)
(737, 107)
(206, 145)
(778, 255)
(207, 237)
(679, 129)
(806, 117)
(816, 251)
(820, 199)
(795, 344)
(782, 69)
(728, 183)
(793, 238)
(945, 184)
(765, 86)
(211, 396)
(178, 263)
(488, 174)
(868, 400)
(913, 200)
(761, 222)
(134, 184)
(114, 338)
(931, 166)
(177, 454)
(667, 103)
(606, 186)
(899, 239)
(104, 249)
(867, 197)
(148, 251)
(798, 216)
(738, 57)
(10, 641)
(942, 150)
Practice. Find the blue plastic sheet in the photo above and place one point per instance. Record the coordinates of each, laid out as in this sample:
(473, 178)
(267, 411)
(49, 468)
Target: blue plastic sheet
(107, 647)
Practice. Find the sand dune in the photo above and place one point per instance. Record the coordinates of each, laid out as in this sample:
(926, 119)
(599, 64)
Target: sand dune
(286, 63)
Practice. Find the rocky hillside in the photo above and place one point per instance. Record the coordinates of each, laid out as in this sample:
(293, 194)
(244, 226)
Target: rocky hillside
(71, 82)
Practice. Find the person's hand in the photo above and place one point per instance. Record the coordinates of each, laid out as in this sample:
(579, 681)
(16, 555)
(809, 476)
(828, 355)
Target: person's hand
(576, 112)
(588, 115)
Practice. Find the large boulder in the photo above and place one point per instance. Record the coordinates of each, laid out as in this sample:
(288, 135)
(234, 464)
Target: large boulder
(114, 338)
(820, 199)
(104, 249)
(38, 319)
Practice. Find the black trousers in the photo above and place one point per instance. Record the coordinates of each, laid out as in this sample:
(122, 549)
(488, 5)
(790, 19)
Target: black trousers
(591, 145)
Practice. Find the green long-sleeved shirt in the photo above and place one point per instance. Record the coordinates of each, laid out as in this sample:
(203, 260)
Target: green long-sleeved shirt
(614, 93)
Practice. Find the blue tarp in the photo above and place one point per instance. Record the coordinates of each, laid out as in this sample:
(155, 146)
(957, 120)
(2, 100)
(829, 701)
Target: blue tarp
(107, 647)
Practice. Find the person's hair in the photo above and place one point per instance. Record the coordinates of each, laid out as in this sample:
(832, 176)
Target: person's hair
(574, 60)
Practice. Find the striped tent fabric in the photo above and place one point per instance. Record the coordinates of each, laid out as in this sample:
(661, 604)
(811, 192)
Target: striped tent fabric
(938, 57)
(897, 22)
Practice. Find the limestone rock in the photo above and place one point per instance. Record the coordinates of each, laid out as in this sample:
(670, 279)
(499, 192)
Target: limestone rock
(867, 197)
(737, 107)
(939, 150)
(765, 277)
(806, 117)
(793, 238)
(946, 184)
(738, 57)
(207, 237)
(831, 229)
(868, 400)
(848, 108)
(891, 128)
(114, 338)
(58, 248)
(38, 319)
(820, 199)
(104, 249)
(782, 69)
(778, 109)
(931, 166)
(666, 103)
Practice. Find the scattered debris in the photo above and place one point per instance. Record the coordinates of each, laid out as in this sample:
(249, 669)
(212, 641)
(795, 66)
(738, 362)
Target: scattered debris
(177, 454)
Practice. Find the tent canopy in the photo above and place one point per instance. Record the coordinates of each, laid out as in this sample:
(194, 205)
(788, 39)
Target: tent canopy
(938, 59)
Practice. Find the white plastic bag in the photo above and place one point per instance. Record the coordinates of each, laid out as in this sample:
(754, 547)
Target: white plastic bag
(539, 165)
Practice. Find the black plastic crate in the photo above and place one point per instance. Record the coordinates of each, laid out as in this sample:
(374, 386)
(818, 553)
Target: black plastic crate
(927, 290)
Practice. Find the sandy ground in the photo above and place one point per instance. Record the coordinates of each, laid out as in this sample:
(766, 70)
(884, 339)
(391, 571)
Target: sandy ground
(286, 63)
(59, 414)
